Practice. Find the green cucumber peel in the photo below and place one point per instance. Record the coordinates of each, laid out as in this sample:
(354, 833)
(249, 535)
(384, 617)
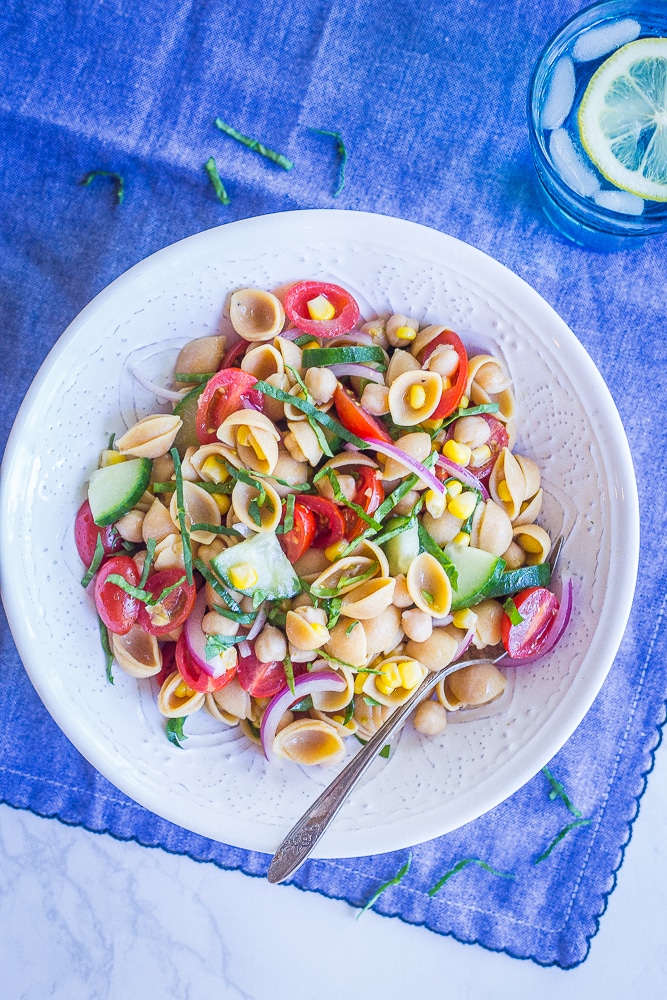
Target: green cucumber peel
(324, 357)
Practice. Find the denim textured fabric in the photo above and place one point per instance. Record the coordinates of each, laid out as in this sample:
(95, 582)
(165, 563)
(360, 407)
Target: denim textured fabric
(430, 98)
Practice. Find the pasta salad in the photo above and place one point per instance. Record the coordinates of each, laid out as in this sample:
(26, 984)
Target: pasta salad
(333, 509)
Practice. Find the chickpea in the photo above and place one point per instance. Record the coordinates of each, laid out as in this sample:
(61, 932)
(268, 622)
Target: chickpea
(401, 598)
(348, 487)
(417, 625)
(321, 384)
(444, 361)
(375, 398)
(430, 718)
(163, 469)
(477, 684)
(473, 431)
(129, 526)
(214, 624)
(400, 322)
(514, 556)
(406, 503)
(208, 552)
(270, 645)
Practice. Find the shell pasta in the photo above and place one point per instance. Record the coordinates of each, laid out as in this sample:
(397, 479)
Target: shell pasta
(333, 509)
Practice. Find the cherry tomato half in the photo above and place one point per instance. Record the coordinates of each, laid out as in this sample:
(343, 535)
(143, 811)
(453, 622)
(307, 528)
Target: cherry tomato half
(117, 609)
(176, 606)
(356, 419)
(86, 533)
(297, 541)
(193, 676)
(450, 398)
(369, 495)
(224, 394)
(261, 680)
(329, 522)
(233, 353)
(168, 651)
(296, 307)
(498, 439)
(538, 607)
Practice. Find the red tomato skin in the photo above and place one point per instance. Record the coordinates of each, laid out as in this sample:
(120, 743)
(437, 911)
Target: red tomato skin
(261, 680)
(450, 398)
(296, 307)
(86, 532)
(168, 652)
(178, 604)
(329, 521)
(538, 607)
(358, 420)
(369, 496)
(498, 440)
(195, 678)
(117, 609)
(233, 354)
(224, 394)
(297, 541)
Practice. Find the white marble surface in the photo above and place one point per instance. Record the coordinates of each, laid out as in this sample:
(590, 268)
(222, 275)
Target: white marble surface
(84, 916)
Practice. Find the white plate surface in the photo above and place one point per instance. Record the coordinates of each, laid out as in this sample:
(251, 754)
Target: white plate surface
(219, 785)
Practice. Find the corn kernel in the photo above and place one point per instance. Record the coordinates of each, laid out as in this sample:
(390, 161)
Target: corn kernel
(215, 470)
(242, 576)
(435, 503)
(465, 403)
(410, 674)
(466, 619)
(384, 687)
(320, 632)
(503, 491)
(320, 308)
(332, 552)
(417, 396)
(246, 438)
(432, 425)
(389, 680)
(340, 719)
(454, 488)
(183, 691)
(480, 456)
(455, 452)
(463, 538)
(446, 382)
(463, 505)
(359, 682)
(529, 544)
(109, 457)
(405, 333)
(223, 502)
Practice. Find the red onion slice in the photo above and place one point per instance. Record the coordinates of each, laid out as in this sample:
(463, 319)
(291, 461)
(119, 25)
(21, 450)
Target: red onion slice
(416, 467)
(257, 625)
(195, 638)
(320, 680)
(463, 645)
(464, 475)
(169, 394)
(353, 337)
(358, 371)
(556, 629)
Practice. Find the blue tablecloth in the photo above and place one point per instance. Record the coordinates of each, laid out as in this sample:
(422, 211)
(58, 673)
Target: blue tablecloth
(430, 99)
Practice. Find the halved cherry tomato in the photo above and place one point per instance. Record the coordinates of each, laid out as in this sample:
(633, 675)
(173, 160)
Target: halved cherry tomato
(369, 495)
(86, 533)
(450, 398)
(117, 609)
(329, 522)
(538, 607)
(168, 651)
(498, 439)
(234, 352)
(176, 606)
(193, 676)
(224, 394)
(356, 419)
(296, 306)
(261, 680)
(297, 541)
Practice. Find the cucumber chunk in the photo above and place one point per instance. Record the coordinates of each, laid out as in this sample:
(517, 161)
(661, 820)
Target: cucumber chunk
(115, 489)
(187, 411)
(275, 576)
(476, 571)
(401, 549)
(514, 580)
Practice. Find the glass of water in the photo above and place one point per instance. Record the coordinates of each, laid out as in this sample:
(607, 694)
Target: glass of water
(597, 113)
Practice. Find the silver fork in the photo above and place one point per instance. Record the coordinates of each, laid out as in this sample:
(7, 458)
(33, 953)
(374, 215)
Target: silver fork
(308, 831)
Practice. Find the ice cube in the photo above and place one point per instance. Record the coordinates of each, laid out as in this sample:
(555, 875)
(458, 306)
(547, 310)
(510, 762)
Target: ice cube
(597, 42)
(620, 201)
(560, 94)
(570, 165)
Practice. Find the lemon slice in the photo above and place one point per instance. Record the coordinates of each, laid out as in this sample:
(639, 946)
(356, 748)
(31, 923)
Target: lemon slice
(623, 118)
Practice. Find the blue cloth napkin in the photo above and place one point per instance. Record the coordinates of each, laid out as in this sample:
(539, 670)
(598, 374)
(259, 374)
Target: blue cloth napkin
(430, 99)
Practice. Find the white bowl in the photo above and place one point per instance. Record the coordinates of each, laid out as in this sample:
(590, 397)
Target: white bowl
(219, 785)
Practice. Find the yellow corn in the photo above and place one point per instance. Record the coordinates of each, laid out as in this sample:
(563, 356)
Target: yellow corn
(389, 680)
(332, 552)
(410, 673)
(529, 544)
(455, 452)
(183, 691)
(435, 503)
(320, 632)
(466, 618)
(320, 308)
(359, 682)
(432, 425)
(417, 396)
(446, 382)
(246, 438)
(465, 403)
(455, 488)
(242, 576)
(223, 502)
(503, 491)
(215, 470)
(463, 538)
(463, 505)
(110, 458)
(405, 333)
(479, 456)
(340, 719)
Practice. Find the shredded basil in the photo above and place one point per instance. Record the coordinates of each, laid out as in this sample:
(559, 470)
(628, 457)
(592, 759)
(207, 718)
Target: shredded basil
(116, 178)
(289, 672)
(145, 596)
(398, 877)
(96, 562)
(148, 561)
(304, 705)
(185, 536)
(558, 792)
(289, 514)
(219, 188)
(257, 147)
(207, 487)
(559, 836)
(342, 155)
(385, 751)
(216, 644)
(428, 544)
(459, 866)
(340, 497)
(334, 659)
(106, 648)
(301, 404)
(349, 711)
(469, 411)
(240, 617)
(349, 628)
(512, 612)
(217, 585)
(174, 730)
(216, 529)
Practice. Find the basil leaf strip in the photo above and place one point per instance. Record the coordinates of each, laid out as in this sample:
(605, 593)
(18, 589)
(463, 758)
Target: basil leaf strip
(219, 188)
(174, 730)
(217, 585)
(96, 562)
(257, 147)
(428, 544)
(323, 418)
(398, 877)
(185, 535)
(148, 561)
(106, 648)
(459, 866)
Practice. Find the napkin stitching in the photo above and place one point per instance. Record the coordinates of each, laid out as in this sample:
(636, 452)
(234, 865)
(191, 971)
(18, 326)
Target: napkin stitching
(71, 788)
